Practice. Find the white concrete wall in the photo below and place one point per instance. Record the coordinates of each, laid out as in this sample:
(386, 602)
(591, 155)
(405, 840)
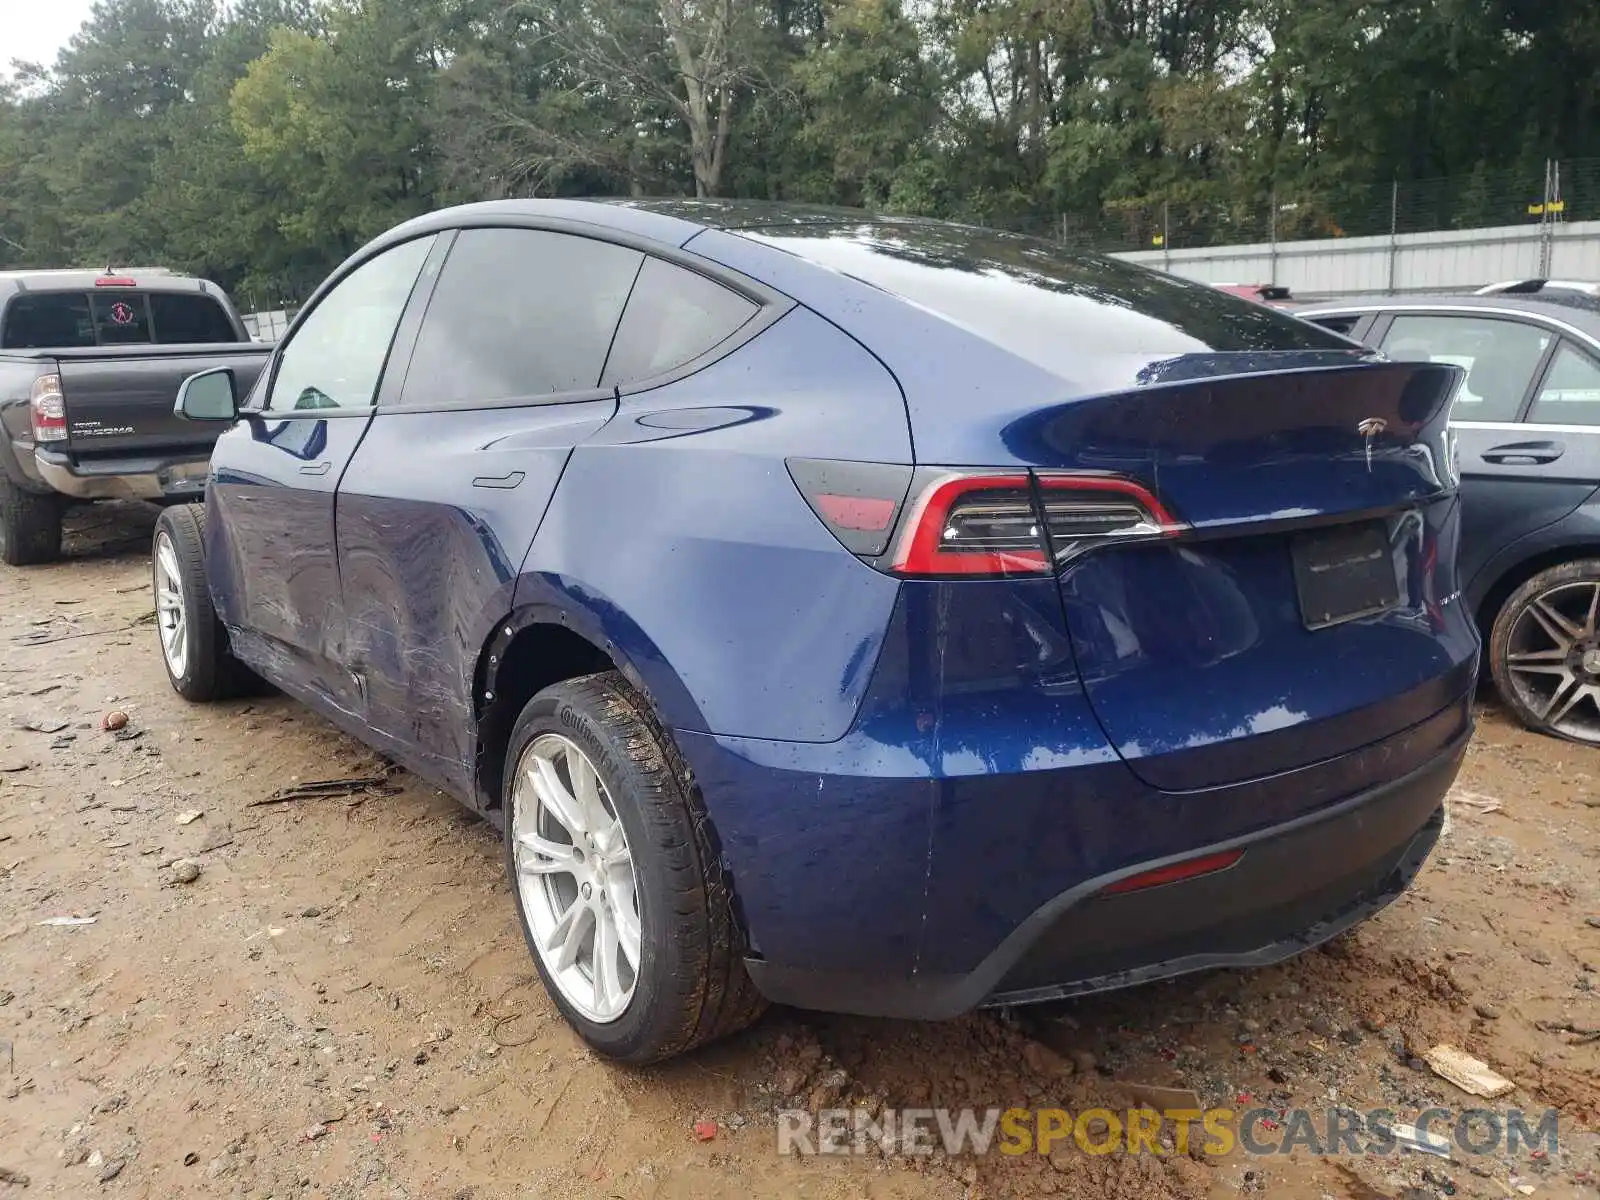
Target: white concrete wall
(1452, 260)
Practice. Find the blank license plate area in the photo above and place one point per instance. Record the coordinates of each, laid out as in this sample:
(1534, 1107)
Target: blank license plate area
(1344, 573)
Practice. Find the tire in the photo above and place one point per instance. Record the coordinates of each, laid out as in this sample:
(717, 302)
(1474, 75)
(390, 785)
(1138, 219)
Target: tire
(1544, 651)
(201, 667)
(30, 526)
(689, 984)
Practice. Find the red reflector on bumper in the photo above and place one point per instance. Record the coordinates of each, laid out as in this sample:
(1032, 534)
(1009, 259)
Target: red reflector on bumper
(1188, 869)
(857, 512)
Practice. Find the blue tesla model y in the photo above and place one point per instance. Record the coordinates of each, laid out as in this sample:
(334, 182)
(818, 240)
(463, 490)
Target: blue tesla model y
(860, 613)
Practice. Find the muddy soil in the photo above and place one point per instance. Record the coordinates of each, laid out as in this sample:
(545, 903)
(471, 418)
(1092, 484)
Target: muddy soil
(341, 1005)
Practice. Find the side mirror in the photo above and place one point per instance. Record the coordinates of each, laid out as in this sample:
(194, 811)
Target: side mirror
(208, 396)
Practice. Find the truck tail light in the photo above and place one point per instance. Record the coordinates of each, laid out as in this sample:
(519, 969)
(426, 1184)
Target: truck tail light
(48, 409)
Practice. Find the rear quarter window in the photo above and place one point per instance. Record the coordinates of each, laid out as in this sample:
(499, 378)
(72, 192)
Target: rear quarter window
(673, 317)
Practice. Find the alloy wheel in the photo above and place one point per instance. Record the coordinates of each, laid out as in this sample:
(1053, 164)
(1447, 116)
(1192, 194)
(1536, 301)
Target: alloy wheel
(575, 878)
(171, 617)
(1553, 659)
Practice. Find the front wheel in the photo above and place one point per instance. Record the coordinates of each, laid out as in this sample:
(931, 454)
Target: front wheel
(194, 645)
(621, 895)
(1544, 651)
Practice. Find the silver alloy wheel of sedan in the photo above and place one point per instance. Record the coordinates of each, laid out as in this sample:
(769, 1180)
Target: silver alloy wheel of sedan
(575, 878)
(171, 618)
(1553, 658)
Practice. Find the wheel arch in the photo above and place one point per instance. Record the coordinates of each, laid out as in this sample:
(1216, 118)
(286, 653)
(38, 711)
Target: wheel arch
(544, 643)
(1518, 571)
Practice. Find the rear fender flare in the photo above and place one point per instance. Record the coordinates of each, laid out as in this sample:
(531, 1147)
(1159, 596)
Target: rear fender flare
(594, 618)
(1576, 535)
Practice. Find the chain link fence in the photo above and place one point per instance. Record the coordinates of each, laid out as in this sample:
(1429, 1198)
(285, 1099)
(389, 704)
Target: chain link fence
(1567, 191)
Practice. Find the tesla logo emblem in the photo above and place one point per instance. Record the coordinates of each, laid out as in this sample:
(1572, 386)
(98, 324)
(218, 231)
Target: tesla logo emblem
(1370, 428)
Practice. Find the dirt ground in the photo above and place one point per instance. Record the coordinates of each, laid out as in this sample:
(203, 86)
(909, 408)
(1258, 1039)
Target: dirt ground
(341, 1005)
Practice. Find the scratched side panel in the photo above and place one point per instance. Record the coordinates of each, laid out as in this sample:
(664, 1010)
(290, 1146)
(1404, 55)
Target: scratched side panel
(435, 514)
(270, 558)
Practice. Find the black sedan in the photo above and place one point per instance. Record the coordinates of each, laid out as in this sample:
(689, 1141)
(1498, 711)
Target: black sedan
(1527, 424)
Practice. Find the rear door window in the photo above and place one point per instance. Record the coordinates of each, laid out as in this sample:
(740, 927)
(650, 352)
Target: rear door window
(1499, 356)
(1570, 394)
(48, 321)
(519, 314)
(185, 318)
(673, 316)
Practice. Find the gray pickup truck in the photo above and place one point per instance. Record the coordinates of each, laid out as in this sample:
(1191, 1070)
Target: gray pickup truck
(90, 364)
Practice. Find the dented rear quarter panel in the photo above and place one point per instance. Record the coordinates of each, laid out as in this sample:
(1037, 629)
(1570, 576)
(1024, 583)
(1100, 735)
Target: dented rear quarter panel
(678, 535)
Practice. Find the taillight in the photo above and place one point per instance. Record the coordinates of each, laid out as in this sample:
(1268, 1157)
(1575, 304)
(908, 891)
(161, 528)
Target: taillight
(989, 524)
(48, 409)
(972, 525)
(1084, 511)
(975, 523)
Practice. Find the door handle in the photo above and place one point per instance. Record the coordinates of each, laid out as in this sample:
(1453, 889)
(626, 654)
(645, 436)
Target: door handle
(319, 468)
(1525, 454)
(498, 481)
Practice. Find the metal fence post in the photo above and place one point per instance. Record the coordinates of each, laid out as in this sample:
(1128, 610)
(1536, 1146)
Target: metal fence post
(1547, 218)
(1166, 235)
(1272, 234)
(1394, 232)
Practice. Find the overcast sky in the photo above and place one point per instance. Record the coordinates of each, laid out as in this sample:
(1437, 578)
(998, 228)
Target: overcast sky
(34, 30)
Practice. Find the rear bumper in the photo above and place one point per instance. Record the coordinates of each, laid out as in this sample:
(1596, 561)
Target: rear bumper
(1298, 883)
(174, 477)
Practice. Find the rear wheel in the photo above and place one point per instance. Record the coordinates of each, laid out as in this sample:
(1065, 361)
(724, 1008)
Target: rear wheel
(622, 897)
(1544, 651)
(194, 645)
(30, 526)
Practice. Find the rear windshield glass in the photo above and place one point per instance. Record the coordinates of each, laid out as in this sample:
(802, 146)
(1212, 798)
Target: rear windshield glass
(120, 318)
(73, 320)
(1041, 302)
